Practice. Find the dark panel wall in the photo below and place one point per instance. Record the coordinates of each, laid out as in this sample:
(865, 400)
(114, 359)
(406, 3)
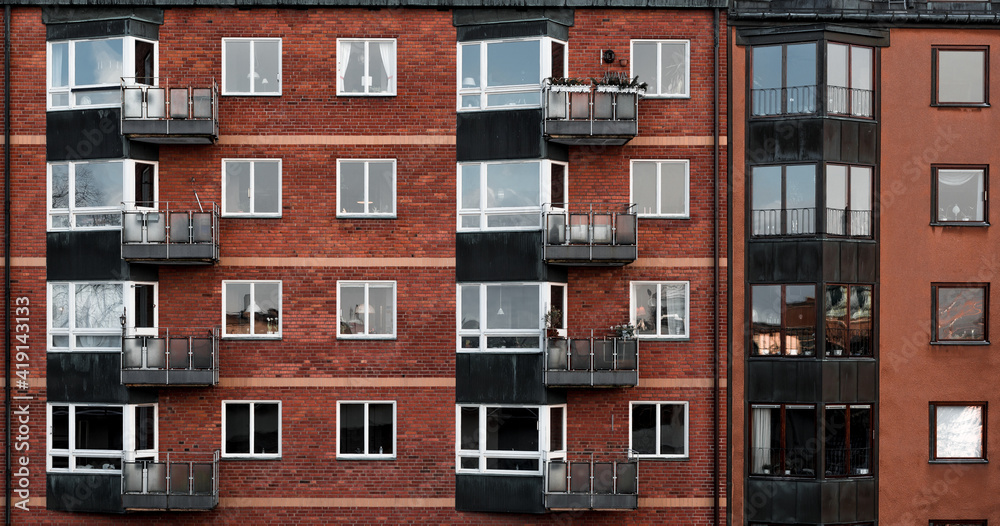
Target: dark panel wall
(502, 256)
(834, 261)
(498, 493)
(79, 492)
(502, 378)
(75, 135)
(489, 24)
(820, 502)
(811, 381)
(771, 141)
(90, 378)
(94, 255)
(498, 135)
(91, 24)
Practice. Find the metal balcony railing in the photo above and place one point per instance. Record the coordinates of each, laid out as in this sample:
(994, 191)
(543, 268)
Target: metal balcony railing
(174, 484)
(590, 484)
(590, 234)
(168, 114)
(853, 342)
(171, 359)
(783, 462)
(155, 232)
(784, 222)
(855, 102)
(591, 114)
(845, 462)
(853, 223)
(590, 361)
(791, 100)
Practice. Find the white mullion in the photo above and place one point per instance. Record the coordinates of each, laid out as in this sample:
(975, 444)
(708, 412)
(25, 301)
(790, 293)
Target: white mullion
(253, 53)
(252, 412)
(251, 190)
(364, 425)
(659, 411)
(366, 81)
(482, 439)
(365, 164)
(365, 305)
(71, 424)
(659, 180)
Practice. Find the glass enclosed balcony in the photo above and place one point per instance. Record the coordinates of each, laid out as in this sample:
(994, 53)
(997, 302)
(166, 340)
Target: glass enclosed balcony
(175, 358)
(591, 485)
(166, 114)
(170, 236)
(591, 235)
(588, 114)
(183, 482)
(591, 362)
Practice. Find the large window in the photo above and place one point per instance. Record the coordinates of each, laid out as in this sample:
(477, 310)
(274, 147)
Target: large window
(783, 440)
(89, 195)
(87, 316)
(89, 73)
(506, 195)
(664, 65)
(849, 72)
(784, 79)
(659, 429)
(507, 74)
(366, 67)
(251, 66)
(504, 316)
(959, 195)
(958, 431)
(848, 442)
(251, 309)
(509, 440)
(961, 76)
(783, 200)
(960, 312)
(366, 430)
(251, 187)
(366, 188)
(251, 429)
(783, 320)
(661, 188)
(660, 309)
(848, 328)
(848, 200)
(95, 438)
(366, 309)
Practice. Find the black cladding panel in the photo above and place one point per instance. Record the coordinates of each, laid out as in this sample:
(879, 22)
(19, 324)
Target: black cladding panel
(499, 494)
(91, 255)
(500, 256)
(77, 135)
(502, 378)
(78, 492)
(500, 135)
(82, 377)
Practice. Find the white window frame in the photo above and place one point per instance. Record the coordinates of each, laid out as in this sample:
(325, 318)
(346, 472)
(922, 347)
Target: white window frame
(366, 78)
(367, 455)
(367, 163)
(484, 90)
(633, 306)
(659, 67)
(253, 168)
(658, 213)
(253, 41)
(251, 454)
(128, 72)
(71, 210)
(367, 286)
(544, 435)
(482, 333)
(484, 213)
(253, 301)
(128, 453)
(687, 431)
(128, 299)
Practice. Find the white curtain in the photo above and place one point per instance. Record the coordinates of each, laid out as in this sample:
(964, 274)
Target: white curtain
(960, 178)
(761, 440)
(959, 432)
(385, 50)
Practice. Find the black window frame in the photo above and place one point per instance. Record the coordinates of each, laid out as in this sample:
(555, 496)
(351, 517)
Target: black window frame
(935, 323)
(935, 88)
(859, 344)
(784, 229)
(935, 193)
(784, 96)
(851, 92)
(783, 467)
(853, 458)
(783, 327)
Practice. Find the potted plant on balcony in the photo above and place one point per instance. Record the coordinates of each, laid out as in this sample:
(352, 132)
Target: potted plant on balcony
(616, 89)
(566, 95)
(553, 322)
(625, 331)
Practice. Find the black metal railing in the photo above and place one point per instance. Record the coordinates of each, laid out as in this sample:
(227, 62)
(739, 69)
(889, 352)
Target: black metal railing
(590, 224)
(791, 100)
(163, 101)
(592, 477)
(844, 462)
(177, 481)
(853, 223)
(783, 462)
(853, 342)
(857, 102)
(172, 352)
(783, 221)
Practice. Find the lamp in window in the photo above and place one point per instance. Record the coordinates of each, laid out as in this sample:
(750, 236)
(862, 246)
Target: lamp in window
(468, 82)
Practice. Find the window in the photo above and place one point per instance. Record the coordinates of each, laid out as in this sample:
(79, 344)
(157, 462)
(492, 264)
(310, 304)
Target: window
(507, 73)
(89, 73)
(366, 430)
(506, 195)
(959, 195)
(89, 195)
(251, 187)
(660, 309)
(783, 320)
(783, 200)
(848, 440)
(509, 440)
(504, 317)
(960, 312)
(783, 440)
(366, 188)
(849, 74)
(849, 200)
(848, 320)
(784, 79)
(94, 438)
(86, 316)
(252, 309)
(961, 76)
(664, 65)
(958, 523)
(661, 188)
(366, 67)
(251, 429)
(958, 431)
(366, 309)
(251, 66)
(659, 429)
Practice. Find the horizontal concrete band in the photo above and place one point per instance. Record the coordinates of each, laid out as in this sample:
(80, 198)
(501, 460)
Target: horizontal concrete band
(320, 502)
(379, 140)
(370, 382)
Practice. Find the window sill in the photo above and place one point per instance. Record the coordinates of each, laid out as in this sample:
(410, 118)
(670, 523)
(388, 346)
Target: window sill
(663, 216)
(251, 216)
(660, 458)
(249, 457)
(970, 343)
(350, 458)
(960, 223)
(251, 336)
(663, 338)
(366, 337)
(648, 96)
(224, 94)
(366, 216)
(959, 461)
(387, 94)
(960, 104)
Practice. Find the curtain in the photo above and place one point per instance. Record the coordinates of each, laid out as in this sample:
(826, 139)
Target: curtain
(957, 178)
(385, 50)
(761, 440)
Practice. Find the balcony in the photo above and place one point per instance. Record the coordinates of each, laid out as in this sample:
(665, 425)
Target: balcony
(162, 114)
(590, 485)
(591, 362)
(587, 114)
(171, 359)
(855, 342)
(602, 235)
(178, 237)
(806, 100)
(174, 485)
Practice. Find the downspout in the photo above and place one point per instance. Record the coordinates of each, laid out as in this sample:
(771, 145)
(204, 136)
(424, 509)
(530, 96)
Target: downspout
(6, 262)
(715, 258)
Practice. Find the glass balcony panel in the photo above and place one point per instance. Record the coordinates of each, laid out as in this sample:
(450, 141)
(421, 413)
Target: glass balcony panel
(604, 478)
(626, 106)
(180, 484)
(201, 349)
(627, 354)
(202, 227)
(580, 357)
(627, 478)
(132, 227)
(557, 105)
(179, 232)
(557, 477)
(156, 353)
(604, 355)
(555, 228)
(557, 356)
(579, 106)
(625, 229)
(178, 353)
(602, 229)
(204, 478)
(156, 477)
(132, 474)
(132, 353)
(579, 477)
(156, 103)
(156, 227)
(604, 105)
(579, 228)
(201, 107)
(178, 103)
(132, 103)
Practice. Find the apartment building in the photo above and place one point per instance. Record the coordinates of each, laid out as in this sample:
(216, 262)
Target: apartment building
(330, 262)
